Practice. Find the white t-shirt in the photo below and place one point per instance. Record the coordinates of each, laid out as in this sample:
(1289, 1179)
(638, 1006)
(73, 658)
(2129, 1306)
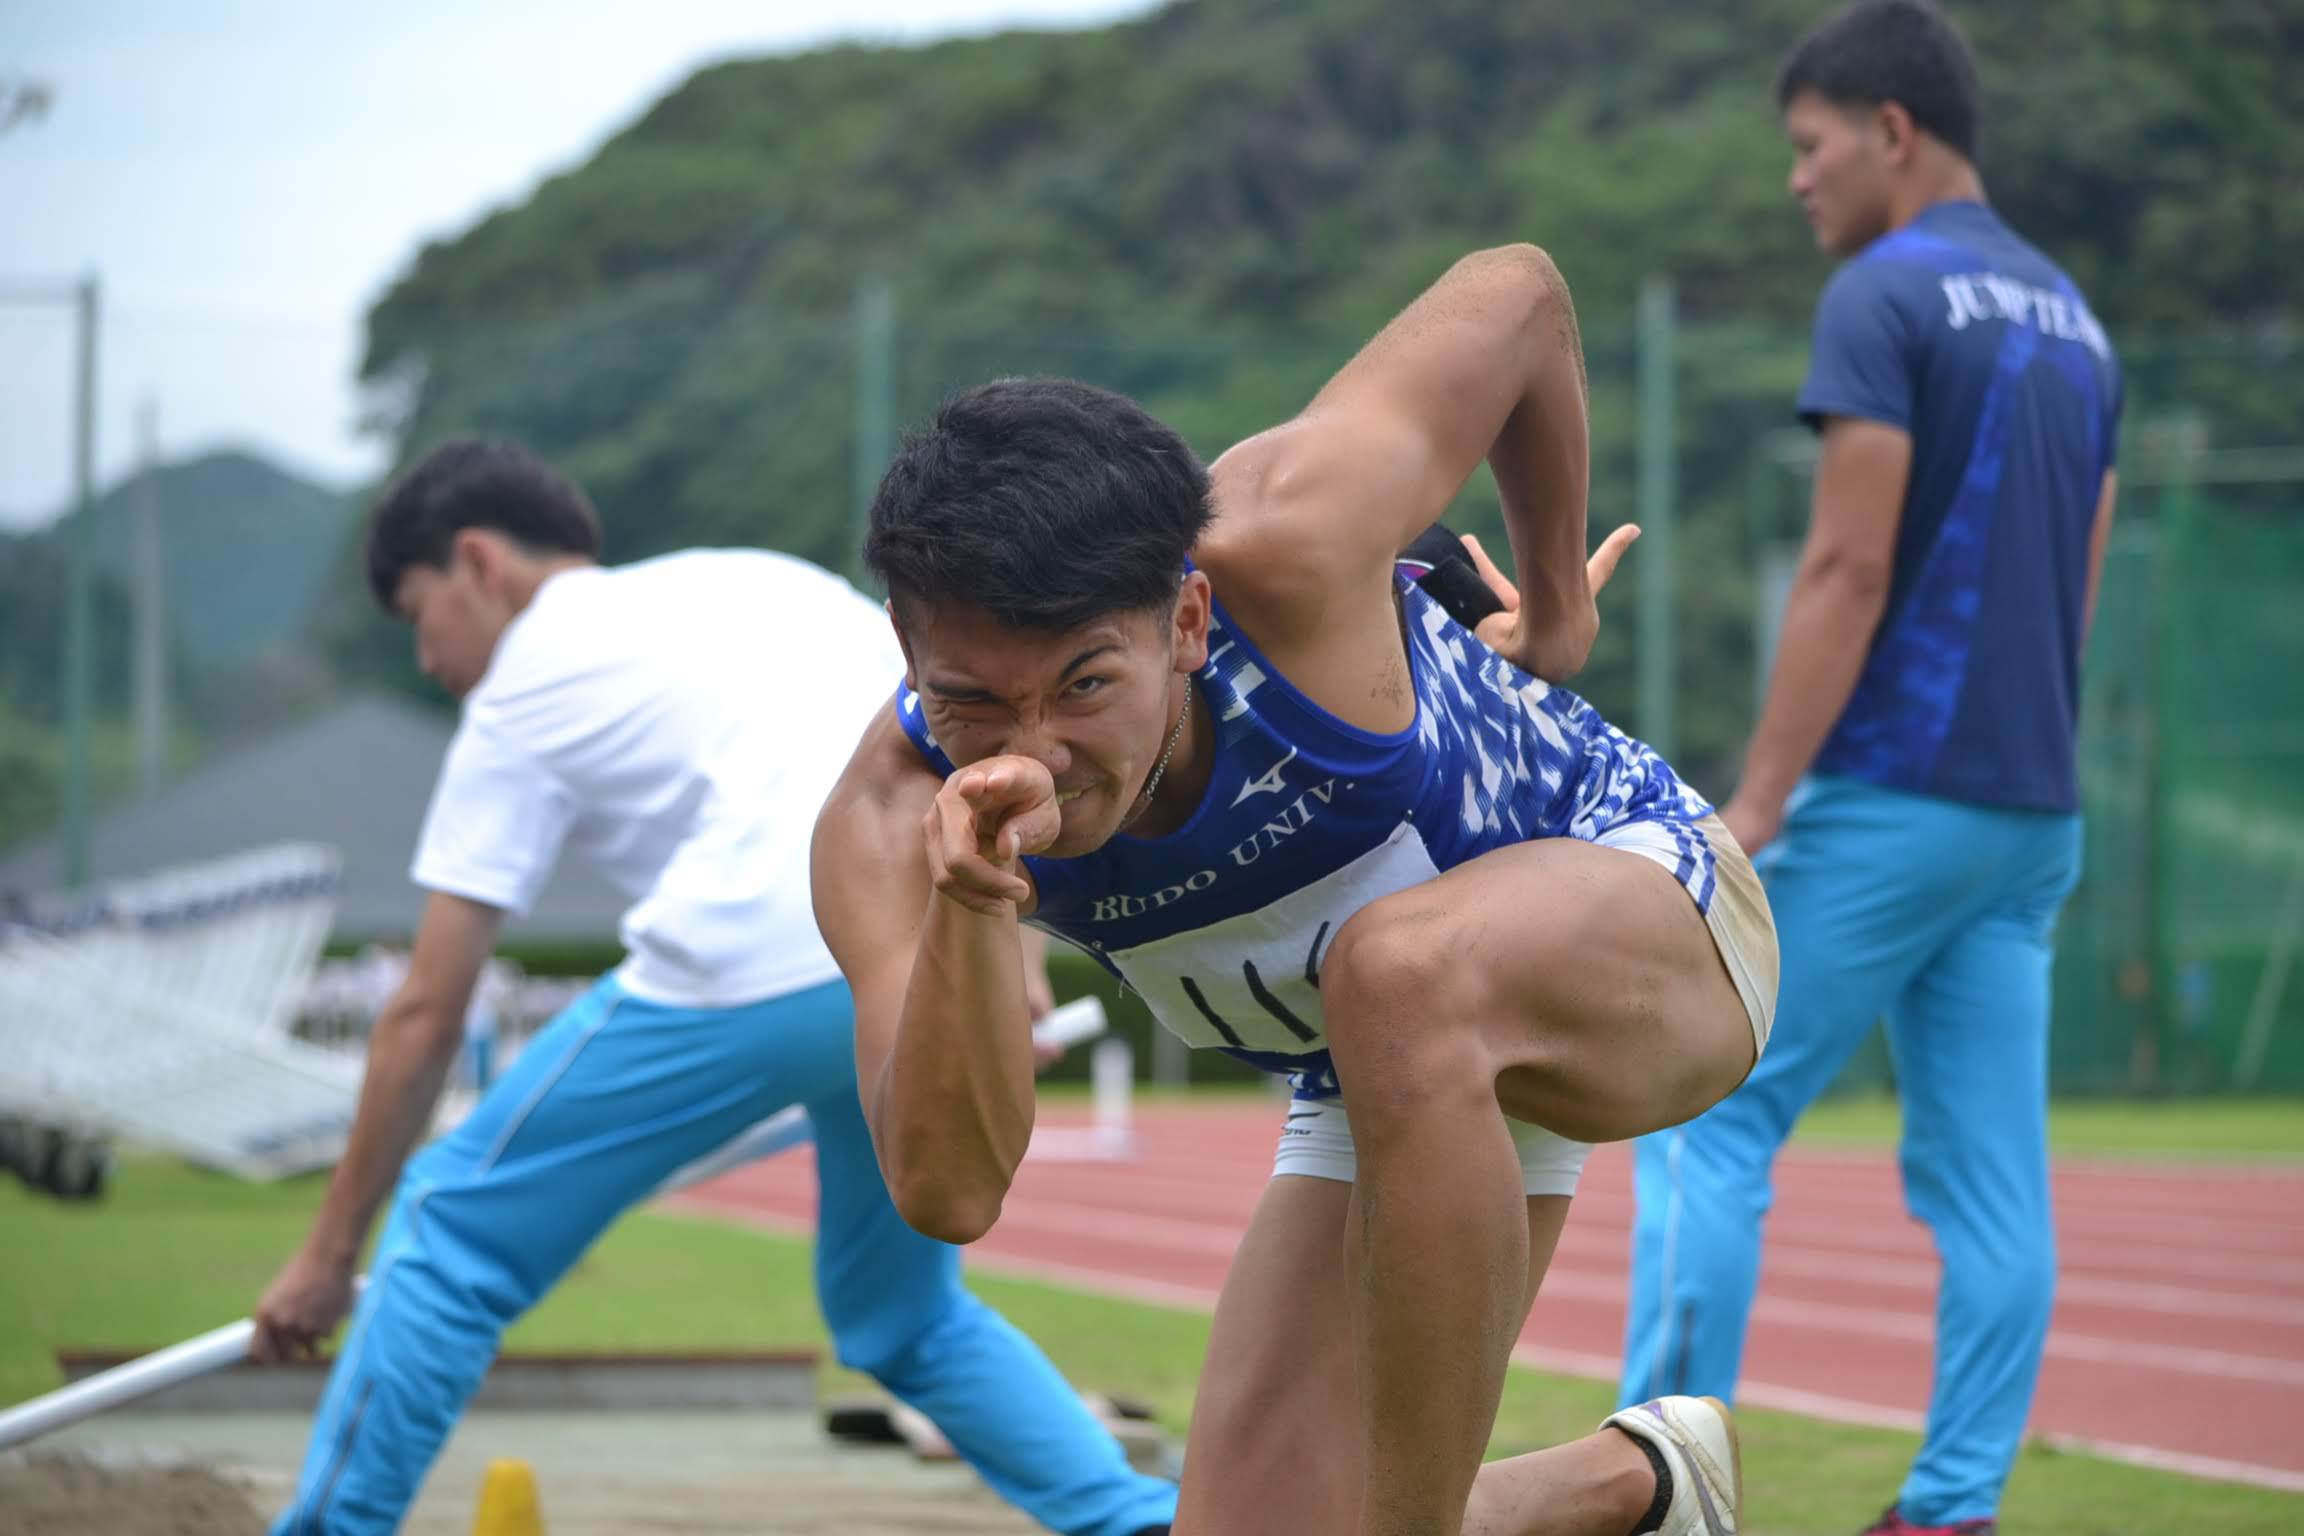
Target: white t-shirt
(678, 722)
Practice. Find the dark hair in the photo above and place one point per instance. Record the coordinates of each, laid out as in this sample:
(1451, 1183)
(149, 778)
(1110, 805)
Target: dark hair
(1905, 51)
(1046, 503)
(474, 482)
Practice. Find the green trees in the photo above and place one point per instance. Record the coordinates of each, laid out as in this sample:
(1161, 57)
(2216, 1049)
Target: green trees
(1210, 206)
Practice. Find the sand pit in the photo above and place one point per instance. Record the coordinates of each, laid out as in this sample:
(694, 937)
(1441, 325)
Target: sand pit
(66, 1494)
(598, 1474)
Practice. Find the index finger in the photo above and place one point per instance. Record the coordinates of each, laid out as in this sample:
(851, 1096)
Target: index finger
(984, 786)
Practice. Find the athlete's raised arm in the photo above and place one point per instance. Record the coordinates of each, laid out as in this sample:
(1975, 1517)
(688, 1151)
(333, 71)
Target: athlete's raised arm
(1486, 364)
(921, 912)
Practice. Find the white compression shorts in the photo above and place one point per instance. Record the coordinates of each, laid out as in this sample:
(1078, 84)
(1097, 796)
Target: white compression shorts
(1316, 1142)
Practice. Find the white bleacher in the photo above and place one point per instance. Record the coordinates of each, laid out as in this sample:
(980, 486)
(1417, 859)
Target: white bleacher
(157, 1010)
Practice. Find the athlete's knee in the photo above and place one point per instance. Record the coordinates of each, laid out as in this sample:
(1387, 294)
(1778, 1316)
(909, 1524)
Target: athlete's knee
(2032, 1278)
(893, 1343)
(2009, 1282)
(1393, 949)
(1398, 959)
(1979, 1202)
(874, 1348)
(1402, 1015)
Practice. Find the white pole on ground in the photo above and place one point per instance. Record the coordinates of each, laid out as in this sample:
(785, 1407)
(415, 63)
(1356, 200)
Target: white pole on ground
(140, 1377)
(213, 1350)
(1112, 1072)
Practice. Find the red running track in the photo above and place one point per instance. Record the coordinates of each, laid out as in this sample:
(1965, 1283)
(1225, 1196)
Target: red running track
(2179, 1331)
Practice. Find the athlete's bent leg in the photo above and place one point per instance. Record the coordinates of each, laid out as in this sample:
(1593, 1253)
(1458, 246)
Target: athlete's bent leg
(1854, 923)
(1971, 1043)
(604, 1103)
(896, 1307)
(1274, 1448)
(1277, 1444)
(1572, 986)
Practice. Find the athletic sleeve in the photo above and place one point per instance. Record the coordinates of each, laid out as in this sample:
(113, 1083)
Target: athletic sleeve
(1862, 363)
(496, 821)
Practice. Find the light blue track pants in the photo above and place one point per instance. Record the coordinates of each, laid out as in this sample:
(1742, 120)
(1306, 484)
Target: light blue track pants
(606, 1102)
(1938, 915)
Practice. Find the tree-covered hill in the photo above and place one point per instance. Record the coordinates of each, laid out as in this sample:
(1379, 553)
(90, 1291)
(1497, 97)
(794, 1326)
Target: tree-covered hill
(1209, 206)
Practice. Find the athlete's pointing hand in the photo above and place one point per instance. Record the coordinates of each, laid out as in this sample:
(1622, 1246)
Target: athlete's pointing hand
(983, 821)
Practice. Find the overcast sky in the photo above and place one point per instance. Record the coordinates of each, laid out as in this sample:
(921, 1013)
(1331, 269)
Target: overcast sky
(247, 175)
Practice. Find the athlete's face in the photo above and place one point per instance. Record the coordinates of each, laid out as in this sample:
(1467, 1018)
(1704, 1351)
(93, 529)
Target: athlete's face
(458, 612)
(1843, 164)
(1094, 705)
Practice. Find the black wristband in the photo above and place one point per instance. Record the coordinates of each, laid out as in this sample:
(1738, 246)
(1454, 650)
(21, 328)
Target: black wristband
(1449, 577)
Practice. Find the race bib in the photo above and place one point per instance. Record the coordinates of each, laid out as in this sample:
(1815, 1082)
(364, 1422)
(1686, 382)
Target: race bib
(1252, 982)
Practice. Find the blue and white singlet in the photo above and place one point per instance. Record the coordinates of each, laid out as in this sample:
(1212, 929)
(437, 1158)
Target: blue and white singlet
(1220, 926)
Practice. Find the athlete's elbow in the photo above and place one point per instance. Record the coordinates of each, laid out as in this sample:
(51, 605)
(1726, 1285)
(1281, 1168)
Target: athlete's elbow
(937, 1194)
(946, 1177)
(1528, 275)
(946, 1209)
(1860, 577)
(1519, 262)
(418, 1024)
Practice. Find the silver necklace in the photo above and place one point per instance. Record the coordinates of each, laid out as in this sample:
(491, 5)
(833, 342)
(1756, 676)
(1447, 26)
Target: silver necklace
(1175, 735)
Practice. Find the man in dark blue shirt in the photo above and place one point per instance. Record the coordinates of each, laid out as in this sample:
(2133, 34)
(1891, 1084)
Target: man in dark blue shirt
(1911, 779)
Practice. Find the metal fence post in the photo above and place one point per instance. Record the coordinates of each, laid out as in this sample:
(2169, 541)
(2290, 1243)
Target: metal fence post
(1656, 666)
(875, 343)
(80, 610)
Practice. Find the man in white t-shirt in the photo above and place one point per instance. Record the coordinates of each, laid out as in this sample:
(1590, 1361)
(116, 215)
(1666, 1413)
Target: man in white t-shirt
(678, 722)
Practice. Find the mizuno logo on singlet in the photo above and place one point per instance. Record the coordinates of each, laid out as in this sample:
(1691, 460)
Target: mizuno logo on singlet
(1269, 783)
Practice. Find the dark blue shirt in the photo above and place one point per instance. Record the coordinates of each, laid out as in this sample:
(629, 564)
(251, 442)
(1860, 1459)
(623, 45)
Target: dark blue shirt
(1957, 331)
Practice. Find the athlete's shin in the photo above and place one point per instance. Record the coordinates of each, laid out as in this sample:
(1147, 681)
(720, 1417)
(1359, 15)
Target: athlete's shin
(1437, 1250)
(1436, 1244)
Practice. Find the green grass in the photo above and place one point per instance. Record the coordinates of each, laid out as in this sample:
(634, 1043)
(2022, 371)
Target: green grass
(172, 1251)
(2203, 1130)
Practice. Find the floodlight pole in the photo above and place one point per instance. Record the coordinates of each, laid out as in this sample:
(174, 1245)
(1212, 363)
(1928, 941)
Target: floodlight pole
(80, 615)
(86, 299)
(874, 340)
(1655, 666)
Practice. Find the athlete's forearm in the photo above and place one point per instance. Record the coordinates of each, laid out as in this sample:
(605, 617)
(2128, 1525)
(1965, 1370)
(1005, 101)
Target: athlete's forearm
(955, 1098)
(1829, 620)
(1542, 457)
(409, 1052)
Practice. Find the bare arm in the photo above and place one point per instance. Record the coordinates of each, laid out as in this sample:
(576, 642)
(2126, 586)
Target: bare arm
(921, 913)
(1837, 599)
(2099, 537)
(1487, 364)
(409, 1050)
